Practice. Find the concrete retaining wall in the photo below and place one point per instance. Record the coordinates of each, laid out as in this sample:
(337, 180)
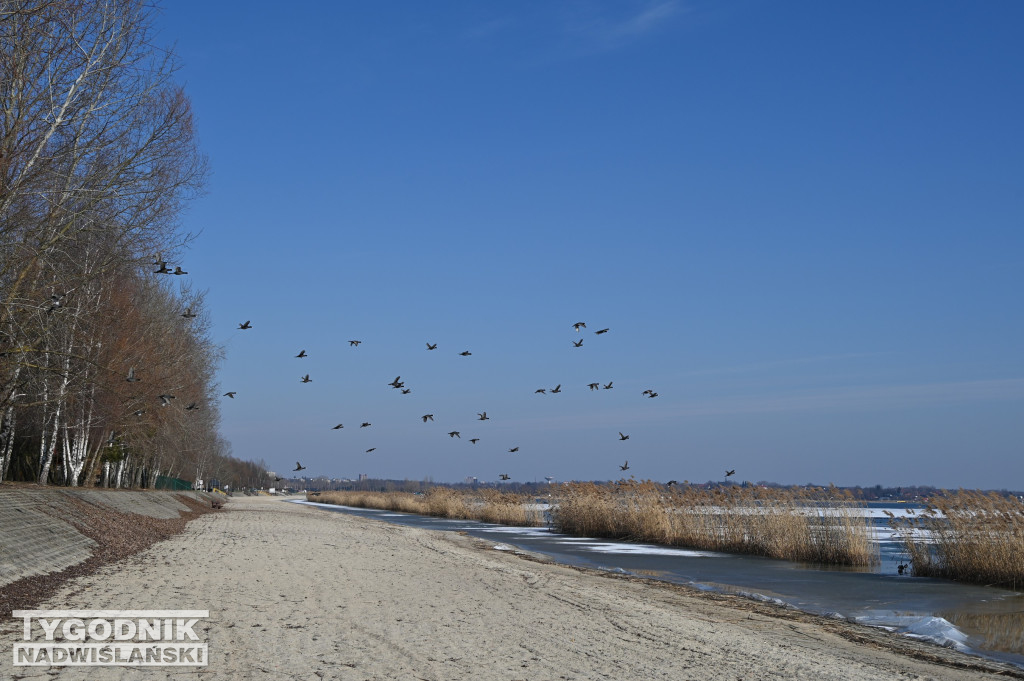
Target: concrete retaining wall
(37, 538)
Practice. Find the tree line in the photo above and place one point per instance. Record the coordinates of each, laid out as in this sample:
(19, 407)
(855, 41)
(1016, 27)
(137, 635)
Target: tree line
(98, 159)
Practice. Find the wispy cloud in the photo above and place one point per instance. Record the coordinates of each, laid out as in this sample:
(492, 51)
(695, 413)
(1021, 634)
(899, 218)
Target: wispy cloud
(602, 32)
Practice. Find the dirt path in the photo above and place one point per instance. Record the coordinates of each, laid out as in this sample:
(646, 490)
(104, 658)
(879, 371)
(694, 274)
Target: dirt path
(298, 593)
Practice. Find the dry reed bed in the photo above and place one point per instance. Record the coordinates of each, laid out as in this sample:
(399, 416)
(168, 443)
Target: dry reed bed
(818, 526)
(969, 536)
(487, 505)
(822, 526)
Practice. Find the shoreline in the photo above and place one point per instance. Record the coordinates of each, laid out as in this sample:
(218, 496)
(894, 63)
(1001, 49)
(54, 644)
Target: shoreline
(294, 591)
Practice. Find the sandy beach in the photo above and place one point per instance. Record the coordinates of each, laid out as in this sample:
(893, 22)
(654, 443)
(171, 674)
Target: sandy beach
(299, 593)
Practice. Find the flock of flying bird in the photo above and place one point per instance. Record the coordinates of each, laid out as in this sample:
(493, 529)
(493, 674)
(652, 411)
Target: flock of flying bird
(396, 384)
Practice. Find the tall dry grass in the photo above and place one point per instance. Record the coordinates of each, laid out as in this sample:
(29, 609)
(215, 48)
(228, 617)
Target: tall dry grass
(969, 536)
(487, 505)
(823, 526)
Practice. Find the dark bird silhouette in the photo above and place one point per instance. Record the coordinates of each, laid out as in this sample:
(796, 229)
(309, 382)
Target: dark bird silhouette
(647, 392)
(504, 476)
(475, 440)
(579, 344)
(277, 479)
(354, 343)
(513, 450)
(427, 417)
(397, 383)
(465, 353)
(365, 424)
(338, 427)
(188, 313)
(431, 347)
(298, 467)
(306, 379)
(178, 270)
(455, 433)
(623, 437)
(732, 472)
(671, 482)
(542, 391)
(163, 267)
(131, 375)
(302, 353)
(230, 394)
(246, 325)
(625, 466)
(406, 391)
(652, 395)
(557, 389)
(370, 449)
(165, 399)
(597, 333)
(609, 385)
(594, 386)
(482, 416)
(192, 406)
(579, 325)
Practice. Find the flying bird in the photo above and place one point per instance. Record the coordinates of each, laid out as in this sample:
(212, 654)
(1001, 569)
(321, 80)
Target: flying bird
(365, 424)
(474, 440)
(302, 353)
(455, 433)
(178, 270)
(579, 325)
(602, 331)
(482, 416)
(338, 427)
(427, 417)
(671, 482)
(513, 450)
(732, 472)
(609, 385)
(188, 313)
(557, 389)
(370, 449)
(306, 379)
(623, 437)
(465, 353)
(431, 347)
(625, 466)
(246, 325)
(542, 391)
(504, 476)
(653, 395)
(406, 391)
(594, 386)
(397, 383)
(131, 375)
(647, 392)
(579, 344)
(230, 394)
(192, 406)
(354, 343)
(165, 399)
(163, 267)
(298, 467)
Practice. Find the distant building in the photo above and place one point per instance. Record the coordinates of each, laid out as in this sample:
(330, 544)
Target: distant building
(471, 480)
(363, 476)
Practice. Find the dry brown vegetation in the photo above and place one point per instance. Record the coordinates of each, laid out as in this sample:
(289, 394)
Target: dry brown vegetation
(969, 536)
(487, 505)
(822, 526)
(819, 526)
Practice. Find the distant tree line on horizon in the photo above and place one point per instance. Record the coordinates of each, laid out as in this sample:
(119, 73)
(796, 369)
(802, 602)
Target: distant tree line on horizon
(915, 493)
(98, 158)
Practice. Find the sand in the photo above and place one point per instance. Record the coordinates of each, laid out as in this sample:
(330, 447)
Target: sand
(295, 592)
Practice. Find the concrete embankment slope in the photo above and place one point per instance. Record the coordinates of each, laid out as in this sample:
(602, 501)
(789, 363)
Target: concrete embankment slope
(45, 530)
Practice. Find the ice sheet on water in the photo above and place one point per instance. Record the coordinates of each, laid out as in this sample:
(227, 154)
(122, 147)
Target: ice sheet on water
(925, 627)
(648, 549)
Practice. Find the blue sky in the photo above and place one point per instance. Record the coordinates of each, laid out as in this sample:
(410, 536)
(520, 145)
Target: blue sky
(801, 222)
